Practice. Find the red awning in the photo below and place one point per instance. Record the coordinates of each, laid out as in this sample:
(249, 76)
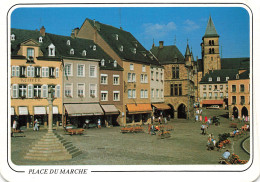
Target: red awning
(212, 102)
(139, 108)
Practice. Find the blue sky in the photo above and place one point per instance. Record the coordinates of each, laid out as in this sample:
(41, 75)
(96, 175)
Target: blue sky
(148, 23)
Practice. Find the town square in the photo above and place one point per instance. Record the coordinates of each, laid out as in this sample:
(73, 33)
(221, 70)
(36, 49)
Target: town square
(103, 94)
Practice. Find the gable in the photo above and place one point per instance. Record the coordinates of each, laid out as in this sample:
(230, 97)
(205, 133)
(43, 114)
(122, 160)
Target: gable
(30, 42)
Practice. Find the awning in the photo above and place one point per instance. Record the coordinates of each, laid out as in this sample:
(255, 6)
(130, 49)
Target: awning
(12, 111)
(83, 109)
(39, 110)
(162, 106)
(139, 108)
(110, 109)
(211, 102)
(23, 110)
(54, 110)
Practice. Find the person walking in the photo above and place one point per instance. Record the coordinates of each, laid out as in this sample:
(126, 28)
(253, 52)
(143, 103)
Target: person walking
(36, 128)
(200, 118)
(14, 125)
(99, 123)
(206, 119)
(159, 119)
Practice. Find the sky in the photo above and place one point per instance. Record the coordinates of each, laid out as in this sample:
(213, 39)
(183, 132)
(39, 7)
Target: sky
(173, 25)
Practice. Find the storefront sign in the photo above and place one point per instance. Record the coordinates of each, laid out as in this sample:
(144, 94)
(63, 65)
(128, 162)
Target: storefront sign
(36, 80)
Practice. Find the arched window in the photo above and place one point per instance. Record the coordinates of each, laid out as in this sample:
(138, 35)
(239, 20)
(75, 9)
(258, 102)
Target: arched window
(115, 63)
(94, 47)
(84, 53)
(51, 48)
(212, 42)
(40, 39)
(209, 42)
(68, 42)
(102, 62)
(212, 51)
(121, 48)
(71, 51)
(12, 37)
(209, 50)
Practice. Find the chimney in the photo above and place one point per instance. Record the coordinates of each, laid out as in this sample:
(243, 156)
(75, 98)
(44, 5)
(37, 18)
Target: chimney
(74, 33)
(42, 31)
(160, 44)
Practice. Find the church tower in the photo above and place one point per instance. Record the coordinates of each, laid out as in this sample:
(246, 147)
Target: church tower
(210, 49)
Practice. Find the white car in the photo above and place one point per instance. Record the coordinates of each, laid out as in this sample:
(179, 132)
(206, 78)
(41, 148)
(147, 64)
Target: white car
(213, 107)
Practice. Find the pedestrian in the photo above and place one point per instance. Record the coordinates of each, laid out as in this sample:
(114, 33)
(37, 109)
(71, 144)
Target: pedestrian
(200, 118)
(36, 128)
(14, 125)
(99, 123)
(209, 121)
(201, 111)
(232, 117)
(206, 119)
(169, 117)
(165, 120)
(159, 119)
(246, 118)
(203, 128)
(153, 119)
(243, 118)
(196, 118)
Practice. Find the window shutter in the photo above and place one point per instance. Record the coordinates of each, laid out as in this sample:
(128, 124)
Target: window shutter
(30, 91)
(32, 71)
(28, 71)
(44, 91)
(43, 72)
(57, 72)
(13, 70)
(17, 71)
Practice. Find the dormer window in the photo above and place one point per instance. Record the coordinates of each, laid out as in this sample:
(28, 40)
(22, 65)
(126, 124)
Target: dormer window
(102, 62)
(134, 50)
(115, 63)
(94, 47)
(30, 54)
(210, 79)
(116, 36)
(12, 37)
(68, 42)
(71, 51)
(84, 53)
(121, 48)
(51, 48)
(218, 79)
(40, 39)
(227, 78)
(237, 76)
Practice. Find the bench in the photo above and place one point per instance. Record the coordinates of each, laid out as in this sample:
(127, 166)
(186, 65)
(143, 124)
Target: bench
(77, 131)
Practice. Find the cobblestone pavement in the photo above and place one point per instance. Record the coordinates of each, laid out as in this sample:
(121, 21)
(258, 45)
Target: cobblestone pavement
(107, 146)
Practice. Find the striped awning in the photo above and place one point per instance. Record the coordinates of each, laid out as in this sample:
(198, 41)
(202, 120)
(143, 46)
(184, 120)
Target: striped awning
(83, 109)
(55, 110)
(110, 109)
(161, 106)
(23, 110)
(139, 108)
(39, 110)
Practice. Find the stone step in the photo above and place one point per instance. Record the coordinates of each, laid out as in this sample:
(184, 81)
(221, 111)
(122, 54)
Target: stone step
(50, 158)
(47, 154)
(73, 150)
(39, 150)
(56, 142)
(74, 154)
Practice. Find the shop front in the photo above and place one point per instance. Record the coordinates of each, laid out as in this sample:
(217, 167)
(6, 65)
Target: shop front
(111, 115)
(138, 113)
(24, 117)
(40, 115)
(161, 109)
(13, 115)
(77, 114)
(57, 118)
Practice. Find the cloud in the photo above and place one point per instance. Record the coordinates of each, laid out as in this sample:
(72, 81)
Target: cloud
(190, 25)
(158, 30)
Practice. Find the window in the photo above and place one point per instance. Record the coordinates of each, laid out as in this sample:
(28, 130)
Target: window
(121, 48)
(221, 95)
(216, 95)
(133, 93)
(145, 93)
(172, 90)
(94, 47)
(57, 91)
(242, 100)
(215, 87)
(30, 54)
(227, 78)
(143, 68)
(221, 87)
(210, 95)
(68, 42)
(44, 91)
(84, 53)
(242, 88)
(204, 87)
(92, 71)
(218, 79)
(40, 39)
(71, 51)
(68, 90)
(103, 79)
(234, 100)
(22, 91)
(104, 96)
(30, 91)
(81, 90)
(52, 72)
(37, 71)
(212, 42)
(180, 89)
(211, 58)
(15, 70)
(152, 76)
(210, 79)
(237, 76)
(142, 78)
(157, 93)
(210, 87)
(51, 48)
(93, 90)
(57, 72)
(161, 77)
(102, 62)
(45, 71)
(152, 93)
(234, 88)
(204, 95)
(116, 36)
(115, 79)
(157, 76)
(129, 77)
(30, 71)
(162, 93)
(116, 95)
(129, 93)
(22, 71)
(36, 91)
(81, 70)
(115, 63)
(134, 50)
(68, 69)
(131, 67)
(12, 37)
(175, 72)
(133, 77)
(15, 90)
(145, 78)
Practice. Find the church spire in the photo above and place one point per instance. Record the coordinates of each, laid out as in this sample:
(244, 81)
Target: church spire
(187, 53)
(211, 30)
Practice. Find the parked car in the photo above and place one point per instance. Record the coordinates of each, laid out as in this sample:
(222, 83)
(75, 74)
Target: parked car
(213, 107)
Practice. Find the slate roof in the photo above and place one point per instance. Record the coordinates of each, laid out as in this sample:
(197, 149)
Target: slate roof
(236, 63)
(210, 30)
(62, 50)
(167, 54)
(242, 76)
(231, 73)
(125, 39)
(187, 52)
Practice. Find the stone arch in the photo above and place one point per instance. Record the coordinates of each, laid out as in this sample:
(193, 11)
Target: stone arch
(182, 111)
(235, 112)
(244, 112)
